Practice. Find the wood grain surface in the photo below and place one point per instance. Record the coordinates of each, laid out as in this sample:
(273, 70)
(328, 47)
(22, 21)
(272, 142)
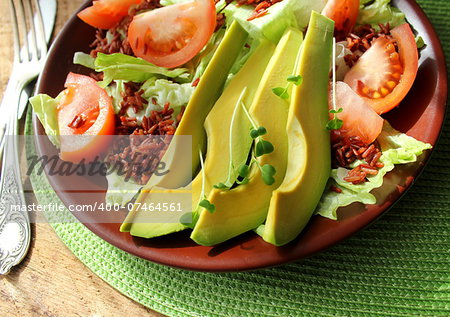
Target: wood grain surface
(51, 281)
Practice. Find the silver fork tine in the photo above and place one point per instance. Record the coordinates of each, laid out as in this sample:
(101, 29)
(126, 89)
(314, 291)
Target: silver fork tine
(23, 22)
(31, 36)
(16, 39)
(40, 30)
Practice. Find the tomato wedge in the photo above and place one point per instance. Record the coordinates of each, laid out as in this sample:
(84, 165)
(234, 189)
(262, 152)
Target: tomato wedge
(359, 118)
(105, 14)
(85, 110)
(173, 35)
(382, 76)
(344, 13)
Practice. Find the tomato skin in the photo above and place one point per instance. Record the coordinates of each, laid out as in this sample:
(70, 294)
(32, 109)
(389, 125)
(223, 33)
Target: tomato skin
(409, 61)
(83, 97)
(105, 14)
(344, 13)
(171, 36)
(359, 119)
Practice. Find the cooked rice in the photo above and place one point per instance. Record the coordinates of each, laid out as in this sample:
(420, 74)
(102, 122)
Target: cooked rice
(139, 156)
(347, 151)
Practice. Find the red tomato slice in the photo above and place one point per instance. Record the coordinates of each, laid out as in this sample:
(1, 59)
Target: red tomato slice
(344, 13)
(105, 14)
(85, 110)
(358, 117)
(173, 35)
(383, 76)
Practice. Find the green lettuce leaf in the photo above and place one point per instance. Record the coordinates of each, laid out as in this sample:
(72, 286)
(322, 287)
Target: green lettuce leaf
(120, 192)
(83, 59)
(123, 67)
(397, 148)
(114, 90)
(280, 16)
(45, 108)
(161, 90)
(379, 11)
(164, 91)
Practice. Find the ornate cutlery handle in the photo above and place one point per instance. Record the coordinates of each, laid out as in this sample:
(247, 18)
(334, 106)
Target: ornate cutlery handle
(15, 234)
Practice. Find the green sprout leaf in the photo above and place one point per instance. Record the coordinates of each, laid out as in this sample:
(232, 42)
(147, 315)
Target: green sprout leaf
(296, 80)
(263, 147)
(207, 205)
(267, 173)
(335, 124)
(221, 186)
(281, 92)
(262, 131)
(254, 134)
(336, 111)
(243, 170)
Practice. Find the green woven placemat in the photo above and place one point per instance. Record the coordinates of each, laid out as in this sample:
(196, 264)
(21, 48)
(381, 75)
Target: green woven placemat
(398, 266)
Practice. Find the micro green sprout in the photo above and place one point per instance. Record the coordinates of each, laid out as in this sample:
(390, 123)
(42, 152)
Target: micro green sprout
(282, 92)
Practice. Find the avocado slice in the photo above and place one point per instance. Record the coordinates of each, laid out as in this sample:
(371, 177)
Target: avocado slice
(205, 95)
(308, 170)
(217, 127)
(202, 101)
(245, 207)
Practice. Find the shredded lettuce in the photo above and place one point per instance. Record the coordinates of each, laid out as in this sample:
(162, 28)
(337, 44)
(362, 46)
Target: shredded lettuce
(397, 148)
(45, 108)
(280, 16)
(161, 90)
(164, 91)
(115, 90)
(379, 11)
(123, 67)
(120, 192)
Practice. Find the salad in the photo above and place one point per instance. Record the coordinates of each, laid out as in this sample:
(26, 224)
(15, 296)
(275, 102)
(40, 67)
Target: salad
(283, 101)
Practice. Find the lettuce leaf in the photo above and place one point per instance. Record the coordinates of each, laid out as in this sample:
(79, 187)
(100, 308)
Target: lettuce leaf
(123, 67)
(397, 148)
(164, 91)
(161, 90)
(379, 11)
(45, 108)
(83, 59)
(280, 16)
(115, 90)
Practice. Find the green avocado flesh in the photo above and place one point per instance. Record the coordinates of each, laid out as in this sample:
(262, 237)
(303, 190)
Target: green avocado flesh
(293, 203)
(206, 94)
(217, 160)
(245, 207)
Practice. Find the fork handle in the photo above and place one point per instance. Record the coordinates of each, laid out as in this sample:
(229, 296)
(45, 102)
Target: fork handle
(15, 233)
(10, 100)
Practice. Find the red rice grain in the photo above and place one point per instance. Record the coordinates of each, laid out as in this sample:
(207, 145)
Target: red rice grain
(346, 151)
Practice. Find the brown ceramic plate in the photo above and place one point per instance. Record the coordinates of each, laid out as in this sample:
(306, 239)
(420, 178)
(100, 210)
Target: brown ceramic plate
(420, 115)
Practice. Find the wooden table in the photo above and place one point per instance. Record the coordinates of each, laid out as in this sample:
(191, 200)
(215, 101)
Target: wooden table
(51, 281)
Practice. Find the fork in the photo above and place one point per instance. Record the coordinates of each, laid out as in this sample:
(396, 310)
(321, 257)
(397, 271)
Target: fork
(28, 63)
